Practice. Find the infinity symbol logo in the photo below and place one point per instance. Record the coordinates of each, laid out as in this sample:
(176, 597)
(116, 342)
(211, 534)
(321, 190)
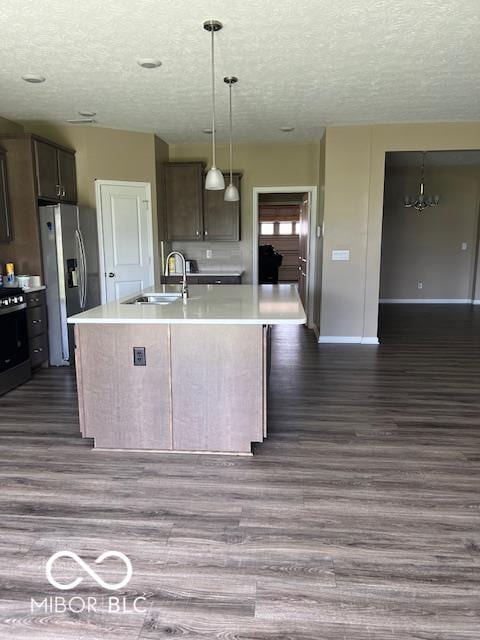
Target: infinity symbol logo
(71, 585)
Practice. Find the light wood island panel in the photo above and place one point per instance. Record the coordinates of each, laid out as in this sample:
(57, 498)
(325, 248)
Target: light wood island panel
(122, 406)
(203, 388)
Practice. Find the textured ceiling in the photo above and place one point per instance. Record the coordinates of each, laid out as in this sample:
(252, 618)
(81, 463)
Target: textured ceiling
(306, 63)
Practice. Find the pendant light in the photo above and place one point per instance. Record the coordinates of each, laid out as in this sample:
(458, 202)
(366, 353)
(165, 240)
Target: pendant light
(214, 180)
(231, 192)
(421, 201)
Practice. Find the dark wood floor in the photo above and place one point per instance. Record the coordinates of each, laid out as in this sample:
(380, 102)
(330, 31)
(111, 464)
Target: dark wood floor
(358, 518)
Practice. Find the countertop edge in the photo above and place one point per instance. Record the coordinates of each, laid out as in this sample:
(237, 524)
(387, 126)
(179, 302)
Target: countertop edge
(227, 321)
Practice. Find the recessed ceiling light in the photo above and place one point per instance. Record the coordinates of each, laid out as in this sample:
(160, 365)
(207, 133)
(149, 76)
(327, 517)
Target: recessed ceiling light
(149, 63)
(87, 114)
(287, 128)
(33, 78)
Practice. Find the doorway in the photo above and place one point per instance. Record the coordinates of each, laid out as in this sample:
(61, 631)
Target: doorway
(125, 237)
(430, 243)
(284, 227)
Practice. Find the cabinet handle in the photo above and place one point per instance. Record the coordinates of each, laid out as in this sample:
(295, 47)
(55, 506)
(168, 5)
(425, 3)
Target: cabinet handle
(36, 321)
(39, 350)
(198, 232)
(58, 193)
(218, 282)
(206, 232)
(34, 299)
(63, 192)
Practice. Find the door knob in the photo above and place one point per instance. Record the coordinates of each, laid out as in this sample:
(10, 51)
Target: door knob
(111, 274)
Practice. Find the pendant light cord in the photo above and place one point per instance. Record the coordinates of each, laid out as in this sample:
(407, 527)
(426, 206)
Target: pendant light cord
(231, 134)
(422, 177)
(213, 99)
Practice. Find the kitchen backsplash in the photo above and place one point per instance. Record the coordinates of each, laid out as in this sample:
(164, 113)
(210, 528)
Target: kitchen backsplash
(226, 256)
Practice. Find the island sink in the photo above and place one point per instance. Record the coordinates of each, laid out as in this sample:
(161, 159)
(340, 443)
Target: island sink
(155, 298)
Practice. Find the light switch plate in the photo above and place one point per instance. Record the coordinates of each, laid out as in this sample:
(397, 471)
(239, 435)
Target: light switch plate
(209, 253)
(464, 246)
(341, 254)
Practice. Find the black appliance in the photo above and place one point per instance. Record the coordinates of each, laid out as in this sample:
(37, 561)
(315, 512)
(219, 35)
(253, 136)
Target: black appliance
(269, 262)
(14, 356)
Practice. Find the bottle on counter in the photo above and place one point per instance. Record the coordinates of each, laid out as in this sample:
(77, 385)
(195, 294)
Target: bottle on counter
(10, 273)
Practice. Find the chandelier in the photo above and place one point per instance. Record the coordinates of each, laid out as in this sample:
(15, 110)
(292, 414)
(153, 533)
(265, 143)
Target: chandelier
(421, 201)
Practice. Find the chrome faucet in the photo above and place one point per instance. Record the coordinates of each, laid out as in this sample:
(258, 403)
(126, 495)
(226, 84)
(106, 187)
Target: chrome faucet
(184, 271)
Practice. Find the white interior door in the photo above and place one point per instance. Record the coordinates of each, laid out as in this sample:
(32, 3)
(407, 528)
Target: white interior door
(125, 214)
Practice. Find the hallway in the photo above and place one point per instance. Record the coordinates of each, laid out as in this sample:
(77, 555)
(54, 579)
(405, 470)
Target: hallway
(357, 519)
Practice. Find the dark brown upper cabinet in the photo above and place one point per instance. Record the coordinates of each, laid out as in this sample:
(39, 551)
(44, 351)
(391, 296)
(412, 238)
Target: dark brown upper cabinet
(55, 172)
(183, 197)
(67, 175)
(194, 214)
(221, 220)
(5, 224)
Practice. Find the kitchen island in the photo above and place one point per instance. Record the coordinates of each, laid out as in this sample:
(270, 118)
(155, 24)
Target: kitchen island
(177, 375)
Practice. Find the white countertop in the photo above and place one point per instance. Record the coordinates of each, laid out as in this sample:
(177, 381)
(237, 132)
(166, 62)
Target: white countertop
(207, 304)
(40, 287)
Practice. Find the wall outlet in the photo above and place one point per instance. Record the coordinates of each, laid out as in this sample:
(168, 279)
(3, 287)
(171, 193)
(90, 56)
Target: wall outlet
(464, 246)
(139, 358)
(419, 284)
(209, 253)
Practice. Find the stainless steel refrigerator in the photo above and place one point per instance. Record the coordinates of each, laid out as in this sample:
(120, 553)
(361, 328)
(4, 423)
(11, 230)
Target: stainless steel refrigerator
(71, 269)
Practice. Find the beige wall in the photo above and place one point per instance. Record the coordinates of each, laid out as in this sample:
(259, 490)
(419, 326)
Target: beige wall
(354, 181)
(7, 126)
(317, 300)
(263, 165)
(427, 247)
(347, 172)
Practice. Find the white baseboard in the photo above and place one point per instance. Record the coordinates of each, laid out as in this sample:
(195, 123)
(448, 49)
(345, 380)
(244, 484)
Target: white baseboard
(427, 301)
(347, 340)
(476, 302)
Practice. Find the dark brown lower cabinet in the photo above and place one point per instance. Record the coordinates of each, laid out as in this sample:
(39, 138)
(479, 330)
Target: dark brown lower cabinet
(37, 327)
